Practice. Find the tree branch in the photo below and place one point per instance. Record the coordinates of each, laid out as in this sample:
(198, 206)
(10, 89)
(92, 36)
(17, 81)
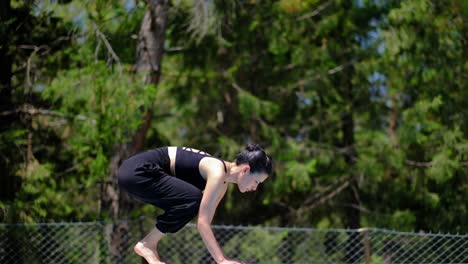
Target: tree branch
(96, 50)
(316, 11)
(428, 164)
(35, 49)
(30, 111)
(323, 197)
(358, 207)
(344, 150)
(114, 56)
(237, 87)
(417, 163)
(328, 72)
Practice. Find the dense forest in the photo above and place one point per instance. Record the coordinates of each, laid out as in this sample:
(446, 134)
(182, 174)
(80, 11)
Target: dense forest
(362, 104)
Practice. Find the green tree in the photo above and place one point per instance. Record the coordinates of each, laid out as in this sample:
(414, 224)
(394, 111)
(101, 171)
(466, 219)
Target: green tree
(361, 104)
(27, 40)
(421, 89)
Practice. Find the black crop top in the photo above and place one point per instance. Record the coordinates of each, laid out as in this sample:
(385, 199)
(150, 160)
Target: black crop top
(187, 166)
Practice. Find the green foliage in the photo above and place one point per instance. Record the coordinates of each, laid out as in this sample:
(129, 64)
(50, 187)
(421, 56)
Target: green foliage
(36, 198)
(375, 155)
(252, 107)
(193, 241)
(374, 90)
(443, 167)
(98, 103)
(265, 249)
(298, 175)
(319, 248)
(418, 125)
(403, 220)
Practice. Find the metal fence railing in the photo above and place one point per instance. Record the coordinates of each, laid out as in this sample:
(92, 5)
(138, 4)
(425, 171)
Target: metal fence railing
(97, 242)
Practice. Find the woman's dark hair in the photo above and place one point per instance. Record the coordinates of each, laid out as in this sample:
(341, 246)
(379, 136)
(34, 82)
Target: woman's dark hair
(256, 157)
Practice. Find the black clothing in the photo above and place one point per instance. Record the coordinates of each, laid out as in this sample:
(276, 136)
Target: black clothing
(187, 166)
(147, 177)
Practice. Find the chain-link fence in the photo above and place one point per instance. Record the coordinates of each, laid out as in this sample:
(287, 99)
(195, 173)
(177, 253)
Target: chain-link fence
(97, 242)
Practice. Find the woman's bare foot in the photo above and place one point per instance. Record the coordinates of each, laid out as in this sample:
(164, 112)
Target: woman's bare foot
(150, 254)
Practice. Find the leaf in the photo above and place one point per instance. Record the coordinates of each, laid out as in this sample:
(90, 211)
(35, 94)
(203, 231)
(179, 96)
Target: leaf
(443, 167)
(252, 106)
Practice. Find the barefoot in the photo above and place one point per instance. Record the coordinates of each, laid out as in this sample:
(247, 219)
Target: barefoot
(149, 254)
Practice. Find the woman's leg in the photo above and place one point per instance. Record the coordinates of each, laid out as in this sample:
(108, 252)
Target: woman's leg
(179, 199)
(181, 202)
(147, 247)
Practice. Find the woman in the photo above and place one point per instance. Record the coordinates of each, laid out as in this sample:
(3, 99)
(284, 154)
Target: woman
(185, 182)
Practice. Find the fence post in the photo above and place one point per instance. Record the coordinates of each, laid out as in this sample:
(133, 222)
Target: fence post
(105, 250)
(365, 240)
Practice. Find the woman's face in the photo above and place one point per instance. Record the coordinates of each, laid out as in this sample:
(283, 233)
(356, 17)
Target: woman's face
(248, 182)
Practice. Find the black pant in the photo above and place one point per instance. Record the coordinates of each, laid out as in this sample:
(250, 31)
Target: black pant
(145, 176)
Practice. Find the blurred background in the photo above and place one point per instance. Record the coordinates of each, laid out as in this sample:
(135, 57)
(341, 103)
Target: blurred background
(362, 104)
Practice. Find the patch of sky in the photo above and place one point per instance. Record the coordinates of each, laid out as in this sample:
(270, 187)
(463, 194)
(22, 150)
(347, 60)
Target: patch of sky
(371, 37)
(44, 6)
(129, 5)
(378, 3)
(299, 138)
(381, 48)
(360, 3)
(418, 127)
(80, 20)
(182, 132)
(38, 8)
(377, 88)
(304, 100)
(81, 39)
(39, 87)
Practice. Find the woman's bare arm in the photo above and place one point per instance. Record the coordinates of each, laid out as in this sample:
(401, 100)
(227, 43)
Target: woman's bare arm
(214, 192)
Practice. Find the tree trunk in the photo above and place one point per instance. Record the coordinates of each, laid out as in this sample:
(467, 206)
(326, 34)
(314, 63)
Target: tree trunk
(392, 130)
(8, 182)
(148, 63)
(151, 42)
(5, 57)
(7, 191)
(353, 216)
(150, 51)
